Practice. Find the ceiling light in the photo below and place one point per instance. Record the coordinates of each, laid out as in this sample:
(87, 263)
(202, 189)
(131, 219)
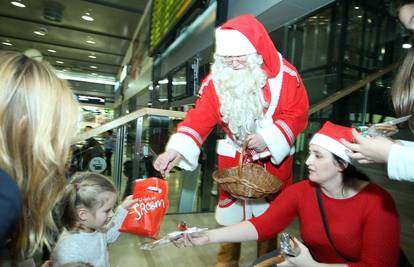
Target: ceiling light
(7, 43)
(18, 4)
(383, 50)
(87, 17)
(91, 56)
(369, 20)
(74, 77)
(93, 67)
(356, 7)
(59, 62)
(90, 41)
(406, 46)
(51, 51)
(40, 31)
(359, 16)
(165, 81)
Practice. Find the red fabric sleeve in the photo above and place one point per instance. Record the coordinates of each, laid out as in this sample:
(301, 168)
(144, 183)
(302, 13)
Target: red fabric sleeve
(292, 112)
(283, 209)
(381, 237)
(200, 121)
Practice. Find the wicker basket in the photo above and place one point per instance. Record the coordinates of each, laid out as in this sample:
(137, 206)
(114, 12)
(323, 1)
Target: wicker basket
(247, 181)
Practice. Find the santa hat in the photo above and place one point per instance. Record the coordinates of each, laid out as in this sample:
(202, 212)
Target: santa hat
(328, 137)
(232, 43)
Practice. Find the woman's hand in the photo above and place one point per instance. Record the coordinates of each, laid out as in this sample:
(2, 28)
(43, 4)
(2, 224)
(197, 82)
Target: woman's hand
(191, 240)
(128, 201)
(256, 142)
(368, 149)
(304, 259)
(166, 161)
(48, 263)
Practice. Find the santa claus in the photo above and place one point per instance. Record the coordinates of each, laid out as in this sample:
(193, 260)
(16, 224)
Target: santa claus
(257, 97)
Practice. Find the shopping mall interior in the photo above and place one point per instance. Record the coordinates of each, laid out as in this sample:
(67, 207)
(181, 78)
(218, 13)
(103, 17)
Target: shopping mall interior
(136, 66)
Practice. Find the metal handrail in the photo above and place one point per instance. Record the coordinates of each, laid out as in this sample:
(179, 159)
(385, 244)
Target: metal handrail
(125, 119)
(350, 89)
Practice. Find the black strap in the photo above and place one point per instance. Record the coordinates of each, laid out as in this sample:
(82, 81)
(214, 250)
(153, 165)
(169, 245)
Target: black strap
(325, 223)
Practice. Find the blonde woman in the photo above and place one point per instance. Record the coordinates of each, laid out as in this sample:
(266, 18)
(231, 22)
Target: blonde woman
(397, 155)
(38, 118)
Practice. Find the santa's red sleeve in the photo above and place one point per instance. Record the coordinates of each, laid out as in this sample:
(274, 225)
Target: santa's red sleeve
(290, 118)
(196, 126)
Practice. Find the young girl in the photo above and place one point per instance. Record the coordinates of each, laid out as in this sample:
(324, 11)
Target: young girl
(86, 213)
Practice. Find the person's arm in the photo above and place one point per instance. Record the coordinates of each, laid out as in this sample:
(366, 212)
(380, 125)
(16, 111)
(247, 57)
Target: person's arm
(112, 233)
(281, 212)
(401, 162)
(183, 147)
(281, 131)
(244, 231)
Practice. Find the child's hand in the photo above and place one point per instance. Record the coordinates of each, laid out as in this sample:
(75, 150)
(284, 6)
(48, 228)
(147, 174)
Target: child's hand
(128, 201)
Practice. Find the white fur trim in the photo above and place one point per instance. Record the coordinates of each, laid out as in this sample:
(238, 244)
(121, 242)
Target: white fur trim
(232, 43)
(226, 147)
(191, 132)
(258, 206)
(275, 85)
(276, 142)
(287, 130)
(331, 145)
(400, 162)
(234, 213)
(186, 146)
(262, 155)
(229, 215)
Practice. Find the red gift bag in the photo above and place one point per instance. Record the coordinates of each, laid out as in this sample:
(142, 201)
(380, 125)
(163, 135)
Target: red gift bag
(145, 216)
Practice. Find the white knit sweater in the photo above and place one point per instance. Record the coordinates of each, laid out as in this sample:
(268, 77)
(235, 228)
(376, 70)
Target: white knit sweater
(88, 247)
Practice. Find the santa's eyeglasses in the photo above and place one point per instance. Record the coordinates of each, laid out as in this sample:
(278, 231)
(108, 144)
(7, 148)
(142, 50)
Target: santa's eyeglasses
(235, 62)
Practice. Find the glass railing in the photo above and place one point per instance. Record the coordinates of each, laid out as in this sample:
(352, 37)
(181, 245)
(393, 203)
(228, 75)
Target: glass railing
(141, 136)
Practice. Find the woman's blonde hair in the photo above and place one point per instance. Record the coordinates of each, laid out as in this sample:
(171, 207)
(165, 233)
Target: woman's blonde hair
(402, 91)
(38, 118)
(85, 190)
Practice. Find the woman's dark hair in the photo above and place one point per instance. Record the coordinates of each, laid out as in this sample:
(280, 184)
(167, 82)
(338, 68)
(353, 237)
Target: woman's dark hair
(350, 173)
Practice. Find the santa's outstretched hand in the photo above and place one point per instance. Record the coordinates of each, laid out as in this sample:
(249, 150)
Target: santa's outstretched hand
(166, 161)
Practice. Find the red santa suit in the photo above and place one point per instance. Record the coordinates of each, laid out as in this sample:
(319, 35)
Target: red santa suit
(283, 120)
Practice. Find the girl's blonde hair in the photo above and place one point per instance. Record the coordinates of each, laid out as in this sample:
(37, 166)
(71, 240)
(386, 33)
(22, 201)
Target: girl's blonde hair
(84, 191)
(38, 118)
(402, 92)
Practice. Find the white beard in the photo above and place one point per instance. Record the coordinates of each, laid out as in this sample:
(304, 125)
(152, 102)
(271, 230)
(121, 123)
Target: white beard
(241, 95)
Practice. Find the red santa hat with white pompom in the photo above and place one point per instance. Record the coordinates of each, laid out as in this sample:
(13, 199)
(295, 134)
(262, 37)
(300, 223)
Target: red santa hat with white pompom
(328, 137)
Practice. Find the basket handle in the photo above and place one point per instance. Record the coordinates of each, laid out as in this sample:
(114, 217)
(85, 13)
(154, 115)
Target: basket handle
(243, 152)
